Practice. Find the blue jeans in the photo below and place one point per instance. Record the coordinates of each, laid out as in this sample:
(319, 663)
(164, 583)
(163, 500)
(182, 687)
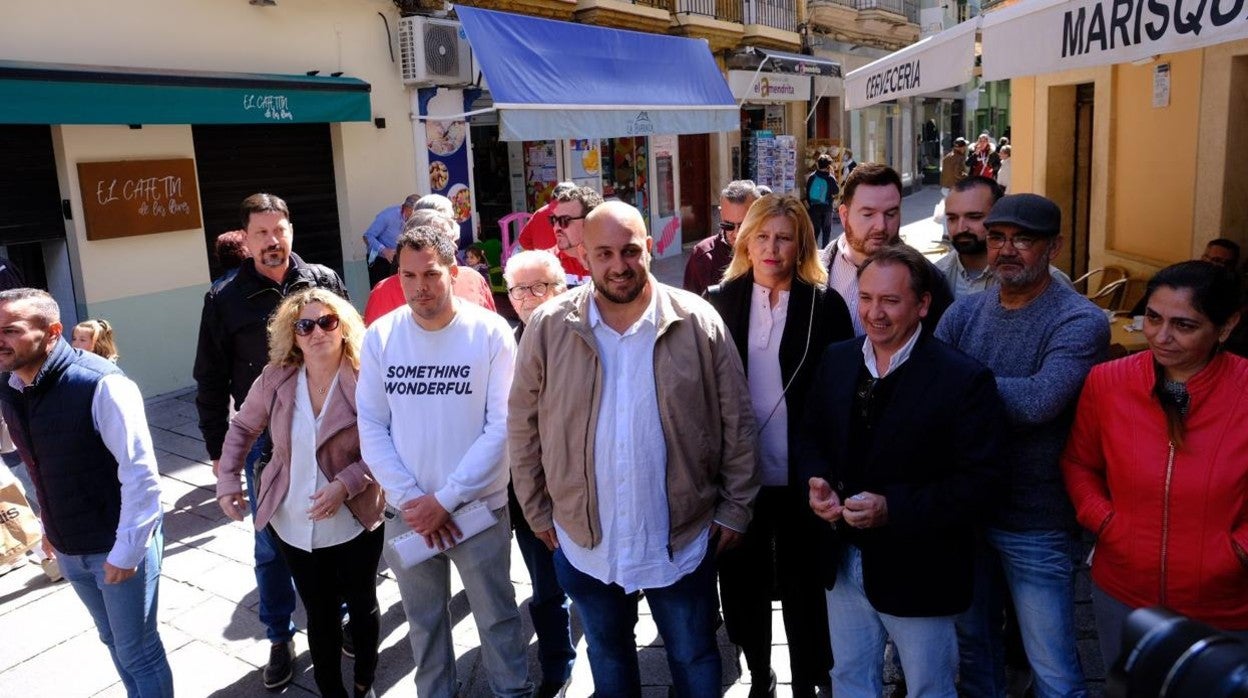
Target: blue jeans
(1038, 568)
(686, 614)
(548, 608)
(927, 646)
(125, 617)
(273, 581)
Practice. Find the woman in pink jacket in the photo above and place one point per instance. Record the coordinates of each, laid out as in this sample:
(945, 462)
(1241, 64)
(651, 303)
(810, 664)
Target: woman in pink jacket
(316, 494)
(1157, 462)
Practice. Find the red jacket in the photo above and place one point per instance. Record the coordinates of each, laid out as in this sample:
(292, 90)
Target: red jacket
(388, 293)
(1165, 517)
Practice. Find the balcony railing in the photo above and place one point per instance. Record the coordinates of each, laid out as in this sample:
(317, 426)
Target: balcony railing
(778, 14)
(724, 10)
(661, 4)
(904, 8)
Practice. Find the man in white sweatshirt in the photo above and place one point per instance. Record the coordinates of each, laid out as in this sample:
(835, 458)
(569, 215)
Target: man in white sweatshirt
(432, 404)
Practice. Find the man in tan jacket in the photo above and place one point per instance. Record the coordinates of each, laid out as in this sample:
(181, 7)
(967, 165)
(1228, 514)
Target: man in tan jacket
(631, 439)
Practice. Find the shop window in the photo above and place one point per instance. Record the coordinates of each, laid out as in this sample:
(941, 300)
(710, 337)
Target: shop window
(624, 170)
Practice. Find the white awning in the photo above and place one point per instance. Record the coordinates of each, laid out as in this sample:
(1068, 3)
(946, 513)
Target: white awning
(1049, 36)
(936, 63)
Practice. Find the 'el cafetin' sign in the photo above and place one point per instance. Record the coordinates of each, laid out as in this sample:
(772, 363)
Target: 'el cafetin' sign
(138, 197)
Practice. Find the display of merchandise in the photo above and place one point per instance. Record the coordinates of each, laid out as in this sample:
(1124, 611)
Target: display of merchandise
(773, 161)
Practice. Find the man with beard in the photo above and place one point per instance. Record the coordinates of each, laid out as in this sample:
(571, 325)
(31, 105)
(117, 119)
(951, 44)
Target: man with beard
(1040, 339)
(432, 411)
(233, 348)
(568, 221)
(635, 484)
(870, 212)
(965, 268)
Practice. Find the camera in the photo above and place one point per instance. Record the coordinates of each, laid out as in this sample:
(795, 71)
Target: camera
(1166, 654)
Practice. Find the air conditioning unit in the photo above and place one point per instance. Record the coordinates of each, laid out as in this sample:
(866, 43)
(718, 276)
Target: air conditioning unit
(434, 52)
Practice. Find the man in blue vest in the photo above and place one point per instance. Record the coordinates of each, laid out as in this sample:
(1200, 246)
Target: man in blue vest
(79, 425)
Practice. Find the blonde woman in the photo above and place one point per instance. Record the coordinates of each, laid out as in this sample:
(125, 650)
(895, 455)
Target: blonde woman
(96, 336)
(775, 302)
(316, 495)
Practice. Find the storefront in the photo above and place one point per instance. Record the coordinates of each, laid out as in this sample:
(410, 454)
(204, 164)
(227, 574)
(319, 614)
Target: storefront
(608, 121)
(771, 110)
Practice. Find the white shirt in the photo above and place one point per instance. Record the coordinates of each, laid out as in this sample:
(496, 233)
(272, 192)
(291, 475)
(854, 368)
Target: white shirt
(432, 406)
(962, 281)
(630, 468)
(291, 520)
(118, 415)
(843, 276)
(868, 354)
(767, 384)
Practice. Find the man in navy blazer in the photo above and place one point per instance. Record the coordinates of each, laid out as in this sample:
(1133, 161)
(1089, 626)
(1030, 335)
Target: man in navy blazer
(900, 444)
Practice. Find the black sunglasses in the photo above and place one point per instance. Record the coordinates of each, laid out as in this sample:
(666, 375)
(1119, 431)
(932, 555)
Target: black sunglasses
(304, 326)
(564, 221)
(728, 226)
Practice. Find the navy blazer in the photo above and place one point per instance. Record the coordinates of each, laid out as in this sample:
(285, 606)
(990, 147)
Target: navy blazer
(934, 459)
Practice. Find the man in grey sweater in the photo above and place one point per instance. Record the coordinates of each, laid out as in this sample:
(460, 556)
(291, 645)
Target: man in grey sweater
(1040, 339)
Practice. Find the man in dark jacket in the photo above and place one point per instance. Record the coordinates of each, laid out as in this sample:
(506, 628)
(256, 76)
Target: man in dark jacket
(80, 424)
(900, 443)
(233, 349)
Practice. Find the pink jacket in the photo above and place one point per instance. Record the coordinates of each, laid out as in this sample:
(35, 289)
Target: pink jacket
(1167, 518)
(337, 445)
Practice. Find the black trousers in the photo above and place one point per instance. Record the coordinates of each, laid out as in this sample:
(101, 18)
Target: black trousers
(776, 555)
(378, 270)
(324, 578)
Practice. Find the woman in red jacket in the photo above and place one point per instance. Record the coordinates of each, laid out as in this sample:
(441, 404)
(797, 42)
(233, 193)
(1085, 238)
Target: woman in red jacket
(1157, 462)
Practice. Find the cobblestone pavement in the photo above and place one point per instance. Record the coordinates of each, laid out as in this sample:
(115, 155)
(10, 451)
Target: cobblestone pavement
(208, 600)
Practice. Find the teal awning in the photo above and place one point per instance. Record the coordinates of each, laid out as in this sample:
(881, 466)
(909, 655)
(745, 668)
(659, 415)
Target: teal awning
(42, 93)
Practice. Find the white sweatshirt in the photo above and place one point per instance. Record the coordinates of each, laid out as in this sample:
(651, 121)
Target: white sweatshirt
(433, 406)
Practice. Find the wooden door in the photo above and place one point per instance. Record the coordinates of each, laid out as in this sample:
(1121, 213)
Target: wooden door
(695, 186)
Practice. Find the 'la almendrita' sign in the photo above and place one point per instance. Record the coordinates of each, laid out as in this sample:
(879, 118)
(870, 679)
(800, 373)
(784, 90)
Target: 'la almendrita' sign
(1034, 38)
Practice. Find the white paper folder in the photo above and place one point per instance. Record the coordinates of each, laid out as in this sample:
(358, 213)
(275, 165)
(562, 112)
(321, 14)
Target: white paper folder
(471, 519)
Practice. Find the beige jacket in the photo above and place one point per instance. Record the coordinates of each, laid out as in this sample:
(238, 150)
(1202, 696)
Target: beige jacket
(704, 405)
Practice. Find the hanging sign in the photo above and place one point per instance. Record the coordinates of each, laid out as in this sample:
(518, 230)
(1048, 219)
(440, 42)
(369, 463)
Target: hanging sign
(1049, 36)
(936, 63)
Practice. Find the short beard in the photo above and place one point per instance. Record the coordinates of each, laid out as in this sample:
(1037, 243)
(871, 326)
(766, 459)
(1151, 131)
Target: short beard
(273, 257)
(967, 243)
(620, 299)
(1024, 278)
(859, 244)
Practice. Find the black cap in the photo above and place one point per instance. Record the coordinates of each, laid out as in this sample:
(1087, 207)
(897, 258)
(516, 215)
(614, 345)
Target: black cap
(1031, 212)
(959, 141)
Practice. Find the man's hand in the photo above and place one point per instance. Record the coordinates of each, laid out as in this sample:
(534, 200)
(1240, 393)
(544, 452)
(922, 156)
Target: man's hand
(117, 575)
(866, 510)
(234, 506)
(726, 538)
(48, 551)
(549, 538)
(426, 516)
(824, 502)
(388, 253)
(444, 537)
(216, 468)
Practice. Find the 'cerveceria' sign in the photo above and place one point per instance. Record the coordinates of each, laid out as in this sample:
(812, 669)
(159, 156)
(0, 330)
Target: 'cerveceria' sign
(1034, 38)
(938, 62)
(138, 197)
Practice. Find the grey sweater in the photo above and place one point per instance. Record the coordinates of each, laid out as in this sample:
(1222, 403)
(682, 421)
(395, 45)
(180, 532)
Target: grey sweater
(1040, 355)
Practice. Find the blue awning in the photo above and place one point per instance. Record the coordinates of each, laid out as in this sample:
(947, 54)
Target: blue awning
(45, 93)
(554, 79)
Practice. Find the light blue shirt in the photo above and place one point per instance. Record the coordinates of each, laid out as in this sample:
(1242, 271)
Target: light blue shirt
(385, 231)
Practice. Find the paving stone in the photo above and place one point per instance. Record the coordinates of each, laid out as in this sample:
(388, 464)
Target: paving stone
(79, 665)
(45, 624)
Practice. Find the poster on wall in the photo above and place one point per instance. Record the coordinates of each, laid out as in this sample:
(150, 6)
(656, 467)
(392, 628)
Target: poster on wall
(448, 171)
(541, 172)
(586, 162)
(665, 227)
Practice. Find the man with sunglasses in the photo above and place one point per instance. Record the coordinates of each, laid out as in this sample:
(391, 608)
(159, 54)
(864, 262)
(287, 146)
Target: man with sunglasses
(711, 256)
(568, 221)
(1040, 339)
(233, 348)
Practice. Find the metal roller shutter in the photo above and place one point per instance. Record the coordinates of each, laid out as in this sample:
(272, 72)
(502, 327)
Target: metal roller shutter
(30, 198)
(293, 161)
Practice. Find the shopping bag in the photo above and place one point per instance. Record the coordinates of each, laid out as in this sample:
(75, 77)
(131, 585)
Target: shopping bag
(20, 530)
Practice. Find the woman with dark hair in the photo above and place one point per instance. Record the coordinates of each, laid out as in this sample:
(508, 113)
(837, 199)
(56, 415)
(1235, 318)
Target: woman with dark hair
(1157, 462)
(775, 301)
(316, 495)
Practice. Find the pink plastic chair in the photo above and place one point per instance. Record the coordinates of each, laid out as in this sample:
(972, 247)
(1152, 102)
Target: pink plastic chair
(518, 219)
